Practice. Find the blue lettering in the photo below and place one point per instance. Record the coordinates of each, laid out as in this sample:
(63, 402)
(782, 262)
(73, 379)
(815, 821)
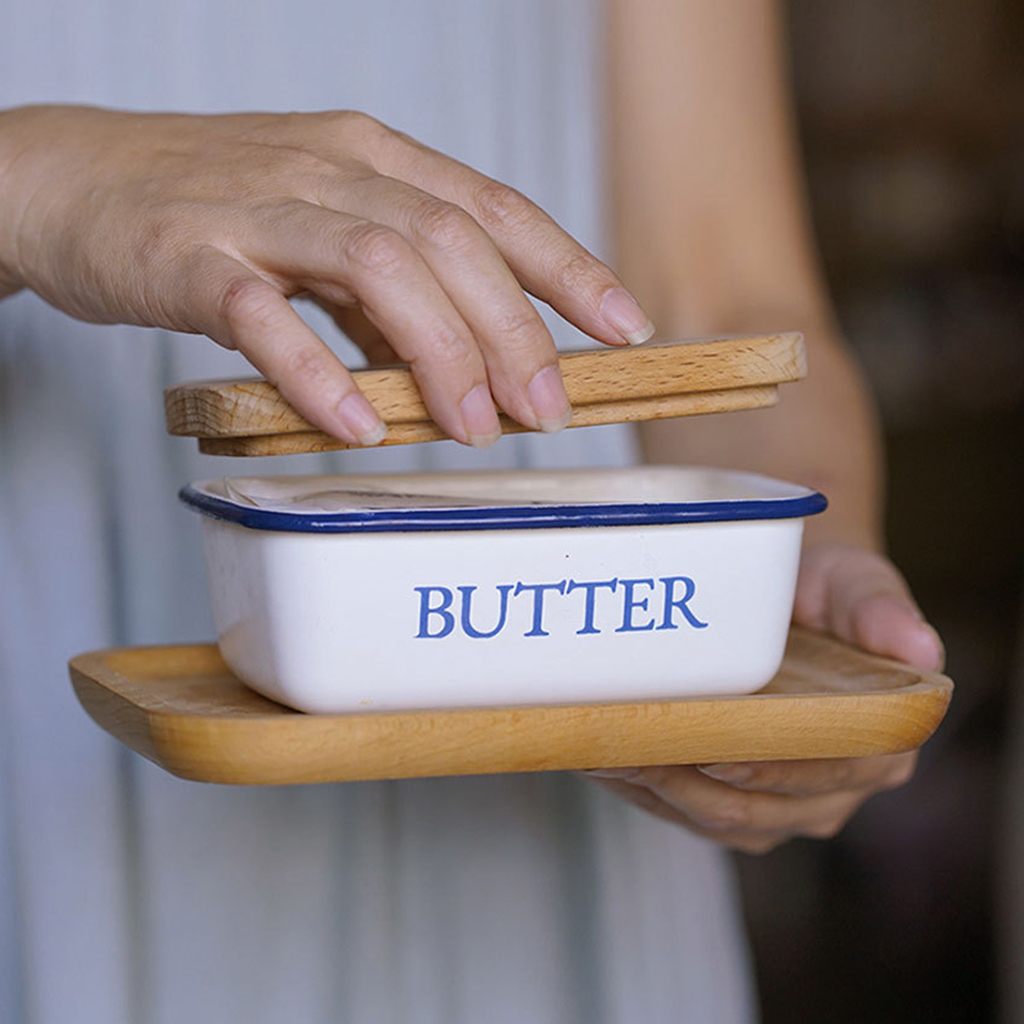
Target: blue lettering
(438, 617)
(671, 602)
(538, 603)
(630, 603)
(441, 610)
(467, 626)
(591, 587)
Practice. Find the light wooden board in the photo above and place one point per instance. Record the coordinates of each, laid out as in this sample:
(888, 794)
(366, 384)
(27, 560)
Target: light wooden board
(608, 385)
(630, 411)
(183, 709)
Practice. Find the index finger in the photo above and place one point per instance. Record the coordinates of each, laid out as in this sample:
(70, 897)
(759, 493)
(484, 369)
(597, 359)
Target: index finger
(546, 260)
(241, 310)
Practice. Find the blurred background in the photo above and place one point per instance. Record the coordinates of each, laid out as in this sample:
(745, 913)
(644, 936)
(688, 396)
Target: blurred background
(912, 124)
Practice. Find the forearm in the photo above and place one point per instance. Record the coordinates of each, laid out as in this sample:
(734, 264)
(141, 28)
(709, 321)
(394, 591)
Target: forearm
(9, 206)
(823, 434)
(712, 232)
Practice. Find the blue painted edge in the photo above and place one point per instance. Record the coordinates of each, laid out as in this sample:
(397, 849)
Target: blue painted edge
(518, 517)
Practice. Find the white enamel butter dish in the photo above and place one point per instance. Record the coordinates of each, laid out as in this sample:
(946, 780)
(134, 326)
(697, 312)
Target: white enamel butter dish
(339, 594)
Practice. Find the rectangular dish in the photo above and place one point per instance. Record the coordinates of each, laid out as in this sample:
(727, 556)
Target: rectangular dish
(346, 594)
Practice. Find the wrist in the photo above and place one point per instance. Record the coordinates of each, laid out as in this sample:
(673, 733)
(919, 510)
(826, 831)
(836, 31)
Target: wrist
(13, 150)
(32, 179)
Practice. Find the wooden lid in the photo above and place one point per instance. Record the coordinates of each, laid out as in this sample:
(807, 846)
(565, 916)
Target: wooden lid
(606, 385)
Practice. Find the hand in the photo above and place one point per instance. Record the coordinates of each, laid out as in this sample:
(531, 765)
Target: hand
(860, 597)
(209, 224)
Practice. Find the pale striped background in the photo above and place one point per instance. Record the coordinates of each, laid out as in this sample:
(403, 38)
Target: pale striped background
(128, 897)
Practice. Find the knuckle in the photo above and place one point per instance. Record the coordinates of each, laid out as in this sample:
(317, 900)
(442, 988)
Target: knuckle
(442, 345)
(727, 814)
(518, 325)
(307, 363)
(376, 249)
(298, 165)
(501, 207)
(447, 226)
(244, 300)
(359, 126)
(578, 273)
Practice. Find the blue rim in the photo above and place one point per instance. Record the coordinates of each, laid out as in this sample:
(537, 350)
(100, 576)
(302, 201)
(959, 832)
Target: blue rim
(519, 517)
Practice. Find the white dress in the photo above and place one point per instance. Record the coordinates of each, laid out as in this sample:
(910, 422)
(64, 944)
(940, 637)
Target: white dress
(130, 897)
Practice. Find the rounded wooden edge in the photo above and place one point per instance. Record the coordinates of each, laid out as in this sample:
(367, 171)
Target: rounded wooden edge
(225, 750)
(602, 414)
(224, 755)
(210, 409)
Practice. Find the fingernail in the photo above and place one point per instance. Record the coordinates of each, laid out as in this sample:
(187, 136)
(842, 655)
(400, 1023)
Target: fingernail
(728, 772)
(361, 420)
(479, 417)
(611, 773)
(623, 314)
(928, 630)
(549, 400)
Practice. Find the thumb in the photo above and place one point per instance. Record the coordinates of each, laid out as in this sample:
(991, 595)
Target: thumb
(861, 597)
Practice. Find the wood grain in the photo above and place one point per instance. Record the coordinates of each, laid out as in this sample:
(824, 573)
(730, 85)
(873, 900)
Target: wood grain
(630, 411)
(604, 386)
(183, 709)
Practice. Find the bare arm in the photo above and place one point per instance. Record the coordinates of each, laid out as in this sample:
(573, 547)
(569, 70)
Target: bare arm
(713, 233)
(712, 229)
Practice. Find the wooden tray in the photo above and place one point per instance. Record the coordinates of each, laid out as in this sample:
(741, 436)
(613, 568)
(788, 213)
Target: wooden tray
(183, 709)
(608, 385)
